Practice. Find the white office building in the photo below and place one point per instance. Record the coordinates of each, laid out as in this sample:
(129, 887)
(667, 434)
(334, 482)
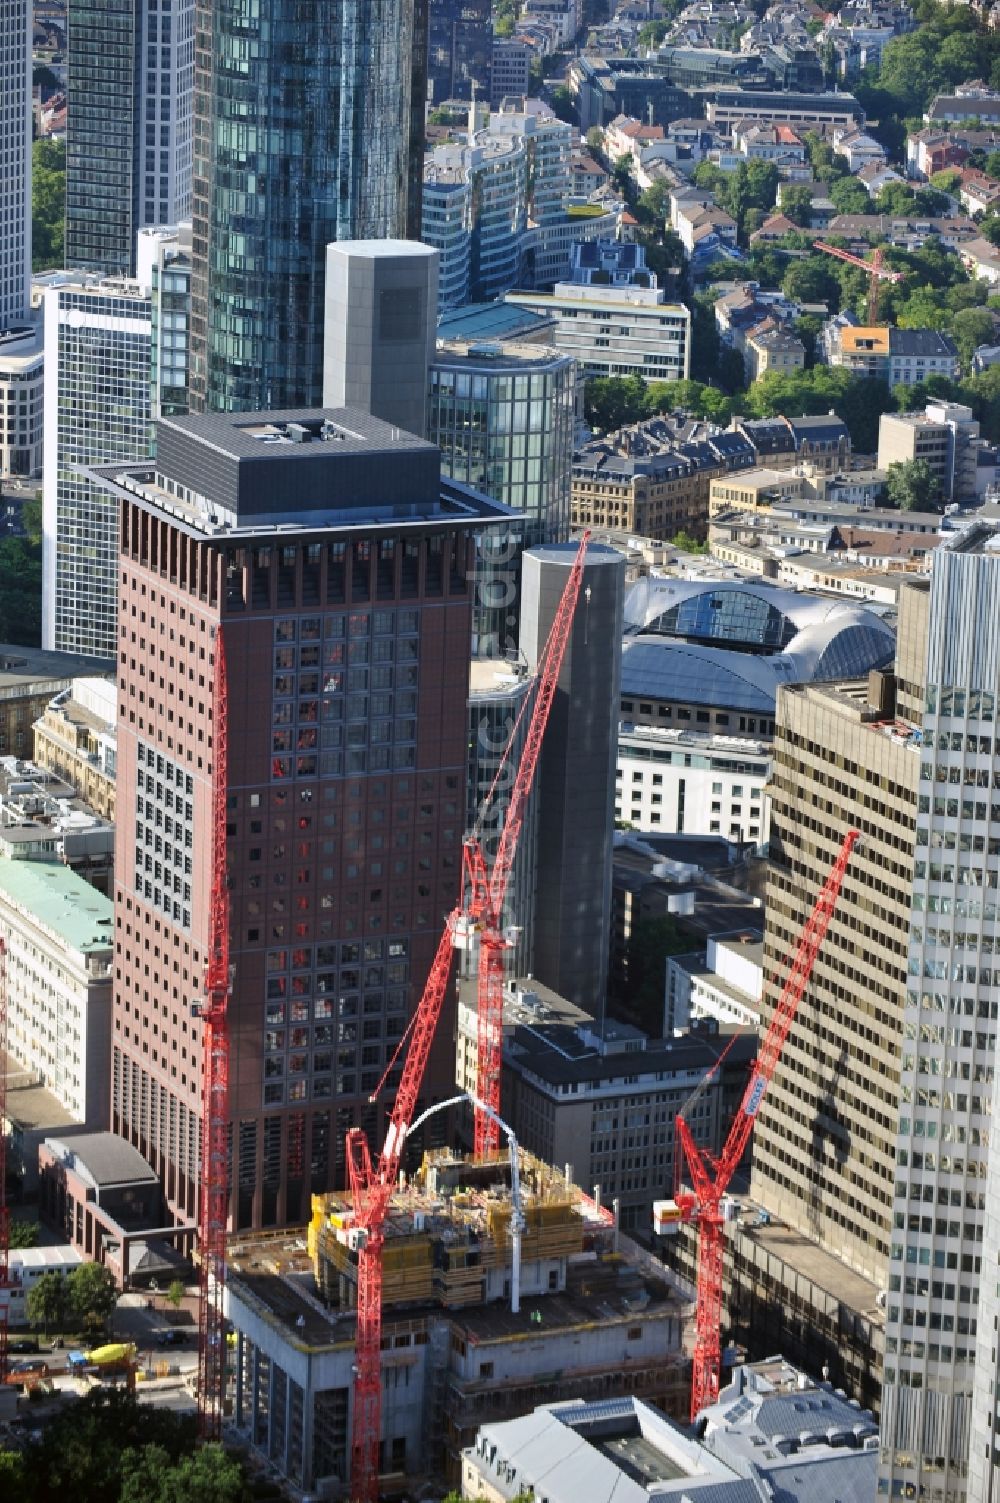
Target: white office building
(97, 410)
(942, 1301)
(15, 160)
(686, 782)
(614, 318)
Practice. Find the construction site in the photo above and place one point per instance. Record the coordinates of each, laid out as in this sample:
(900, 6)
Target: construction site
(473, 1328)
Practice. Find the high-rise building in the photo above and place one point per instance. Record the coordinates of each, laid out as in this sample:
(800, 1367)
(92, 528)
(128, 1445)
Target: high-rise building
(942, 1274)
(381, 312)
(459, 53)
(164, 266)
(130, 85)
(21, 374)
(304, 134)
(96, 384)
(336, 561)
(15, 179)
(575, 784)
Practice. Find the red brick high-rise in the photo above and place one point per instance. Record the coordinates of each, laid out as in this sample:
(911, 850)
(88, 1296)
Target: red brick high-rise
(336, 560)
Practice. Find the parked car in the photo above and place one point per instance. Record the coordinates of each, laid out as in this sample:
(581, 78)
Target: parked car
(172, 1338)
(24, 1344)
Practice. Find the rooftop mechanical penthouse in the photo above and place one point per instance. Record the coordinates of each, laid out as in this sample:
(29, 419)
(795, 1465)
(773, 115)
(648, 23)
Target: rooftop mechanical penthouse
(338, 564)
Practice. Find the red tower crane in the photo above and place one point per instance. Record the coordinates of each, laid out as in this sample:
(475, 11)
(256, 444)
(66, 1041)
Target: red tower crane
(5, 1279)
(711, 1176)
(487, 893)
(876, 270)
(213, 1204)
(372, 1185)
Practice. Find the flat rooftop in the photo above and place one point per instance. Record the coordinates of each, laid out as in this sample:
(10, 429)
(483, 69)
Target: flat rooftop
(61, 903)
(820, 1267)
(21, 668)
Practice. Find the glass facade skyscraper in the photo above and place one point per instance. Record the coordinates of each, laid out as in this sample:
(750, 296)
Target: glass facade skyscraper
(307, 119)
(15, 179)
(128, 135)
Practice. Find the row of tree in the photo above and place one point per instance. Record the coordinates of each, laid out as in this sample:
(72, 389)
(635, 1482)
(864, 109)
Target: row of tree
(84, 1299)
(107, 1448)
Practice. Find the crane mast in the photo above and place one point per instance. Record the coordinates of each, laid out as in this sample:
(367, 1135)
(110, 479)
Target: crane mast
(213, 1203)
(479, 907)
(710, 1176)
(488, 893)
(876, 270)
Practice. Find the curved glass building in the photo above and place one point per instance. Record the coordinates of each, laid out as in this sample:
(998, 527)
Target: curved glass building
(307, 119)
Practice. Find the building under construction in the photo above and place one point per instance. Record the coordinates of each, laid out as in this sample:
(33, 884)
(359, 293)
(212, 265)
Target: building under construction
(595, 1318)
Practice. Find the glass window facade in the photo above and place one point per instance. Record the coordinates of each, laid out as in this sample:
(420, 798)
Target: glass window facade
(303, 135)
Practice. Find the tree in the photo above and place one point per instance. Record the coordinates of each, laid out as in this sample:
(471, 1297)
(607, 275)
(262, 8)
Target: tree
(207, 1476)
(621, 172)
(20, 591)
(595, 139)
(849, 196)
(812, 281)
(970, 328)
(651, 943)
(913, 486)
(652, 34)
(796, 203)
(47, 1301)
(48, 202)
(610, 401)
(563, 104)
(654, 202)
(685, 543)
(83, 1450)
(24, 1234)
(93, 1294)
(175, 1293)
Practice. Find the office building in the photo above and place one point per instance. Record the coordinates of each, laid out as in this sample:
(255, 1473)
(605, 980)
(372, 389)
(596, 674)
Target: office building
(900, 357)
(336, 99)
(381, 311)
(22, 363)
(946, 436)
(97, 397)
(346, 633)
(603, 1097)
(15, 180)
(774, 1432)
(942, 1303)
(593, 1323)
(130, 89)
(59, 936)
(164, 266)
(504, 417)
(29, 678)
(692, 782)
(459, 50)
(510, 76)
(614, 318)
(575, 779)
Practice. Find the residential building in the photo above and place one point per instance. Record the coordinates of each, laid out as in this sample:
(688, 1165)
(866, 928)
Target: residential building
(588, 175)
(978, 192)
(929, 151)
(654, 490)
(59, 937)
(130, 87)
(771, 350)
(774, 1429)
(675, 779)
(941, 1288)
(22, 364)
(510, 72)
(982, 260)
(336, 97)
(945, 436)
(97, 401)
(15, 181)
(613, 318)
(966, 105)
(381, 312)
(858, 149)
(343, 649)
(74, 737)
(900, 357)
(459, 50)
(768, 143)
